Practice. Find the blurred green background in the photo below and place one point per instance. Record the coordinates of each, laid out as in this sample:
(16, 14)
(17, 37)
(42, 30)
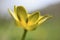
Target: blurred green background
(49, 30)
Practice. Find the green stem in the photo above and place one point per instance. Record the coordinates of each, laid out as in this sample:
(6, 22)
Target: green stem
(24, 34)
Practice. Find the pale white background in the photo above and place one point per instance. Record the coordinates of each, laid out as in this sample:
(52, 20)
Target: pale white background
(30, 5)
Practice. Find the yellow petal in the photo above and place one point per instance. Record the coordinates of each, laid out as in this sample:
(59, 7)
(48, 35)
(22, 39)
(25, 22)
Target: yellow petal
(35, 25)
(44, 18)
(13, 15)
(29, 14)
(40, 17)
(33, 18)
(32, 27)
(21, 13)
(15, 9)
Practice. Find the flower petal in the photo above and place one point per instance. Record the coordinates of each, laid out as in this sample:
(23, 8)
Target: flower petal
(44, 18)
(13, 15)
(29, 14)
(15, 9)
(33, 18)
(32, 27)
(22, 13)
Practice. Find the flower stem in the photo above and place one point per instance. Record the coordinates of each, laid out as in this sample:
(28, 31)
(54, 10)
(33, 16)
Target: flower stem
(24, 34)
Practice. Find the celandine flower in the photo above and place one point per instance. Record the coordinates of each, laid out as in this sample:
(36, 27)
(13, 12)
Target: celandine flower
(26, 20)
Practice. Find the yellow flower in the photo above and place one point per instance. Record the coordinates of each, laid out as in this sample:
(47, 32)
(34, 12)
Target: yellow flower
(26, 20)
